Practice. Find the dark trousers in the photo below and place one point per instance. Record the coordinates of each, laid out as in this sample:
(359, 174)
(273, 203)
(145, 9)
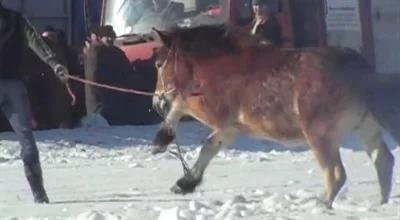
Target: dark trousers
(14, 104)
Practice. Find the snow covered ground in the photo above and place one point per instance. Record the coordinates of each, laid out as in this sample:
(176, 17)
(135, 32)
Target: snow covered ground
(108, 174)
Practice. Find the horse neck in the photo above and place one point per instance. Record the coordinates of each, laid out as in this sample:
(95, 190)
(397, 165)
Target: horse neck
(206, 68)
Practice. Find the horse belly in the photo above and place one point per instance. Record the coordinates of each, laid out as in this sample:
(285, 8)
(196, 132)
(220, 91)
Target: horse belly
(267, 108)
(197, 108)
(279, 127)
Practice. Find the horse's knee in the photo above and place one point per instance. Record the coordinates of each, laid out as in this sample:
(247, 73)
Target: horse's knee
(163, 138)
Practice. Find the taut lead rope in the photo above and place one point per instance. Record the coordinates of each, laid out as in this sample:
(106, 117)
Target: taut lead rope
(115, 88)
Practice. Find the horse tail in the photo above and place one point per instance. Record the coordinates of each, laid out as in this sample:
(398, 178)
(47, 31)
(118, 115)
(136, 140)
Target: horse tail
(381, 92)
(382, 95)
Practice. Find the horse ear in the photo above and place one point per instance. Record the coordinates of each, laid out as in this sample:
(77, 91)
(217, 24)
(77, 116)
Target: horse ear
(162, 38)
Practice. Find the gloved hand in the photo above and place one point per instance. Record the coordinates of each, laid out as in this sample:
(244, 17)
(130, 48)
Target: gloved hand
(62, 72)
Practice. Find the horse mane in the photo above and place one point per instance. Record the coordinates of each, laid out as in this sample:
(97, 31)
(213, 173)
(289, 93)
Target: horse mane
(204, 41)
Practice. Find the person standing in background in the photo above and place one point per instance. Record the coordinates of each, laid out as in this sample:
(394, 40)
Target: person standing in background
(265, 24)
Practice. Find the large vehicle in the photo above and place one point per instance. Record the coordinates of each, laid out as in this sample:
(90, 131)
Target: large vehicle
(133, 21)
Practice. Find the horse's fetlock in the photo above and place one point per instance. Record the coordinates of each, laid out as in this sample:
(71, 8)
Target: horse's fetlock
(328, 205)
(163, 138)
(33, 173)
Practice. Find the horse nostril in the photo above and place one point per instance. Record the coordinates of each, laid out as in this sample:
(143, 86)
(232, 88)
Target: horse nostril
(165, 106)
(156, 105)
(159, 105)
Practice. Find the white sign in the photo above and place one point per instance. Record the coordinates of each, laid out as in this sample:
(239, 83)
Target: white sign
(342, 15)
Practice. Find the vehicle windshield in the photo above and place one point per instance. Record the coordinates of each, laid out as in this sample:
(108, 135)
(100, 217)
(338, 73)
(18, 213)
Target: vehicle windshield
(140, 16)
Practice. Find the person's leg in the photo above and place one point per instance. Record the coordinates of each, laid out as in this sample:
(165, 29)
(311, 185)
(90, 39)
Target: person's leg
(16, 108)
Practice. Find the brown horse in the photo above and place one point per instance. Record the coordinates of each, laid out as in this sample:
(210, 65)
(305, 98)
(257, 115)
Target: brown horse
(235, 84)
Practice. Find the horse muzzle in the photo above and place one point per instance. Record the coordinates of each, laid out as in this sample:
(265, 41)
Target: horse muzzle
(161, 105)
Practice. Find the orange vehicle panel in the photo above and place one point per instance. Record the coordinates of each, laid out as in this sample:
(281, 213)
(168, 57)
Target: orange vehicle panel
(141, 51)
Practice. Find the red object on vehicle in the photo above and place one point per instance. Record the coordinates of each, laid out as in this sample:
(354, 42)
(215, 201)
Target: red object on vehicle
(142, 51)
(215, 11)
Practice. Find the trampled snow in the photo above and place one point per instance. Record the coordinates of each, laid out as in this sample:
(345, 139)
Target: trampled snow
(107, 173)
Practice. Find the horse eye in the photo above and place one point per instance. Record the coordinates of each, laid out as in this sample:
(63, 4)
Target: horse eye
(158, 65)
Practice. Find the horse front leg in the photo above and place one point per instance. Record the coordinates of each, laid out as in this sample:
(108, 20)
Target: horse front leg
(217, 140)
(166, 134)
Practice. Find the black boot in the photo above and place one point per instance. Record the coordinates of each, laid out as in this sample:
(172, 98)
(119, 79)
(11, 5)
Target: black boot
(34, 175)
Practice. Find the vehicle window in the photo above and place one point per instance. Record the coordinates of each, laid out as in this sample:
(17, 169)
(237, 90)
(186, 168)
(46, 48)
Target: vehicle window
(140, 16)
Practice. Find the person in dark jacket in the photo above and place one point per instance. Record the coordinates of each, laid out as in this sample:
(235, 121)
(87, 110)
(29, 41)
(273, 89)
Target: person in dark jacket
(16, 35)
(107, 64)
(265, 24)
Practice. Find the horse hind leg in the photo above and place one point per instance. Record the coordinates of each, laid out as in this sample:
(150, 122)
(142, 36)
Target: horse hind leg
(327, 153)
(369, 132)
(217, 140)
(323, 136)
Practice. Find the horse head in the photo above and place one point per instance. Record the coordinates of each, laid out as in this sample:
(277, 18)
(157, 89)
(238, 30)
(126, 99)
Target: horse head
(180, 51)
(174, 71)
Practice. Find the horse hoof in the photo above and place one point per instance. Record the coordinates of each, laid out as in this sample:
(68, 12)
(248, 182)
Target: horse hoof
(41, 200)
(325, 202)
(328, 205)
(384, 201)
(185, 185)
(178, 190)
